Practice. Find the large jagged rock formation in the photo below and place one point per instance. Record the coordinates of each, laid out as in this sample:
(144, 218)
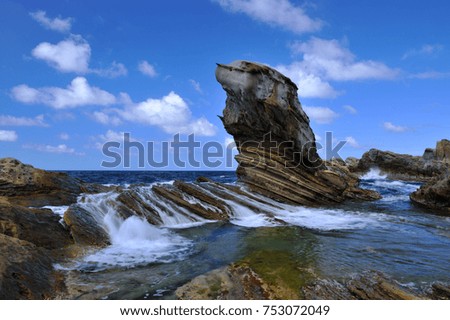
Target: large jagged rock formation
(400, 166)
(277, 150)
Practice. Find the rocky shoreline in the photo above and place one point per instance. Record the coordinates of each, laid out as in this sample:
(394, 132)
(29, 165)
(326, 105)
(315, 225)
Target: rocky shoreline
(262, 113)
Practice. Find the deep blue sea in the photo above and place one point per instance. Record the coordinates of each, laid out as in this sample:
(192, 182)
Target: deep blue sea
(410, 244)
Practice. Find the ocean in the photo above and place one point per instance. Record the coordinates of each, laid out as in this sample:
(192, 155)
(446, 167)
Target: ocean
(144, 261)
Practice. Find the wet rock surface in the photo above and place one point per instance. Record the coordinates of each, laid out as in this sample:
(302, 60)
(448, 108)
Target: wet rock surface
(434, 194)
(401, 166)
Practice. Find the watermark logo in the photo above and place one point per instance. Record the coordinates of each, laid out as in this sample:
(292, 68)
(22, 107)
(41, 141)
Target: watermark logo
(188, 152)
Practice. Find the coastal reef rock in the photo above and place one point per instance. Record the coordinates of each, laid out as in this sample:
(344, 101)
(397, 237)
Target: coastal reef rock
(442, 152)
(27, 186)
(241, 282)
(26, 271)
(401, 166)
(277, 150)
(434, 194)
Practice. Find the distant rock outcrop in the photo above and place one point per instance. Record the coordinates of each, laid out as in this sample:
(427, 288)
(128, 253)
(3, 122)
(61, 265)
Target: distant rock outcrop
(400, 166)
(434, 194)
(277, 150)
(443, 151)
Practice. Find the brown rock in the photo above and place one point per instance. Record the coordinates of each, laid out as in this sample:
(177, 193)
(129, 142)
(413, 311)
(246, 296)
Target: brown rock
(277, 149)
(38, 226)
(24, 185)
(443, 151)
(401, 166)
(26, 271)
(85, 228)
(434, 194)
(367, 286)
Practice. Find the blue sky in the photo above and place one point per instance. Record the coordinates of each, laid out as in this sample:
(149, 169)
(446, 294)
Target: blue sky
(75, 74)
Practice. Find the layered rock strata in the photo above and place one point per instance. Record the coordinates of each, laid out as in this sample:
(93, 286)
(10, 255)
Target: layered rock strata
(277, 150)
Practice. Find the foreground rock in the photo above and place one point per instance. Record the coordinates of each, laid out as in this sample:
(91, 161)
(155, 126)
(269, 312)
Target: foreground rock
(241, 282)
(27, 186)
(432, 164)
(277, 149)
(26, 271)
(38, 226)
(434, 194)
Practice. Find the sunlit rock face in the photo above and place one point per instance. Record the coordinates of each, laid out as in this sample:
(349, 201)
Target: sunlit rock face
(277, 149)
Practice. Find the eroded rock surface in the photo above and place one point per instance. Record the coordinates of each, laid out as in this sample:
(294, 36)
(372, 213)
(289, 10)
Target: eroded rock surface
(277, 150)
(400, 166)
(434, 194)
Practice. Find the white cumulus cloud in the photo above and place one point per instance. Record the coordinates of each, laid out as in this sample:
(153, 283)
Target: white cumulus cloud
(389, 126)
(171, 113)
(329, 60)
(309, 85)
(73, 55)
(8, 135)
(78, 93)
(70, 55)
(37, 121)
(147, 69)
(280, 13)
(56, 24)
(321, 115)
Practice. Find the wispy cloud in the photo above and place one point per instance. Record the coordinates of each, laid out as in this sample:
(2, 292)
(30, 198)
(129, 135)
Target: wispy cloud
(37, 121)
(77, 93)
(196, 85)
(280, 13)
(8, 136)
(106, 118)
(59, 149)
(430, 75)
(64, 136)
(389, 126)
(56, 24)
(147, 69)
(321, 115)
(425, 50)
(350, 109)
(352, 142)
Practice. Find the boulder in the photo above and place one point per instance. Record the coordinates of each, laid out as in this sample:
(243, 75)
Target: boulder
(277, 149)
(26, 271)
(434, 194)
(85, 227)
(400, 166)
(40, 227)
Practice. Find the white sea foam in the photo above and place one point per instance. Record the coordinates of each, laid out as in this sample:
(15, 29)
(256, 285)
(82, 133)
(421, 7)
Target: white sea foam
(58, 210)
(374, 174)
(135, 242)
(245, 217)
